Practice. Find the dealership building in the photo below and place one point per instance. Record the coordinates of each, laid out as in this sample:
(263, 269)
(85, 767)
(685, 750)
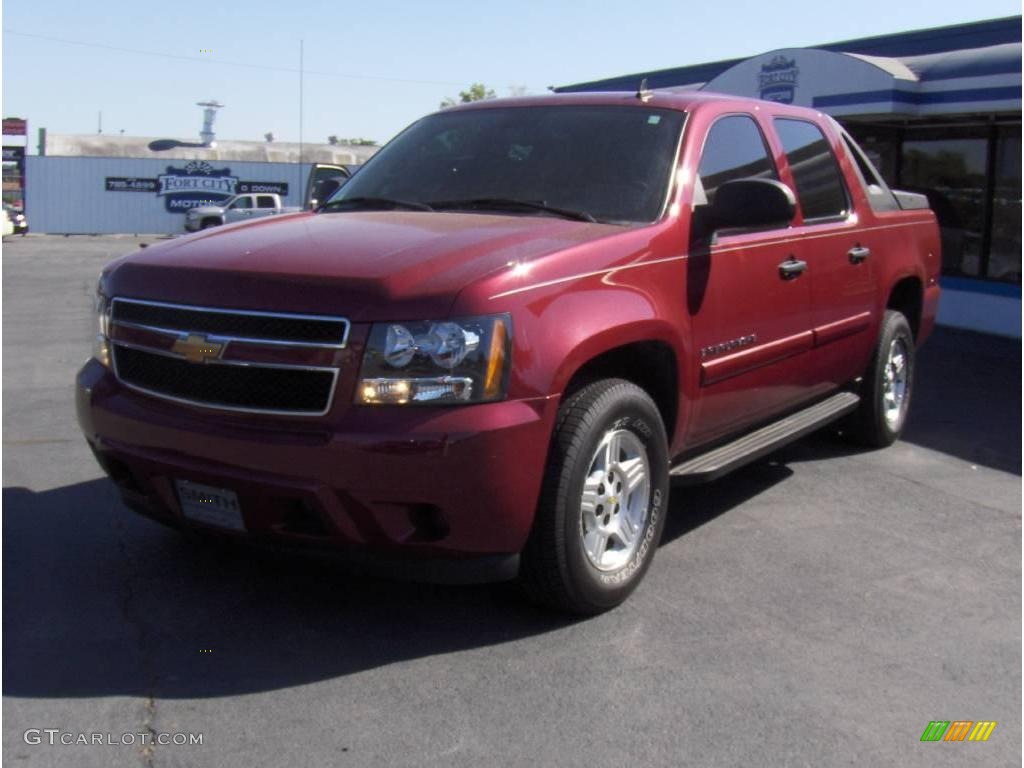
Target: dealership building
(939, 111)
(102, 184)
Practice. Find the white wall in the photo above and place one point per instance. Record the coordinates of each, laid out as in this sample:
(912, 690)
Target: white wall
(68, 195)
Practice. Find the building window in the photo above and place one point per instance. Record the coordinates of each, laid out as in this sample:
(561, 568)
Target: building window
(951, 171)
(881, 144)
(1004, 244)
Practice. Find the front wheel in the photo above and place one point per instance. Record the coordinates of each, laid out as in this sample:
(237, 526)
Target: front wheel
(888, 384)
(603, 502)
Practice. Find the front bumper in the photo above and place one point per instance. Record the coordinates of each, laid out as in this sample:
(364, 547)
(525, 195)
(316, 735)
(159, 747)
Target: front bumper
(438, 490)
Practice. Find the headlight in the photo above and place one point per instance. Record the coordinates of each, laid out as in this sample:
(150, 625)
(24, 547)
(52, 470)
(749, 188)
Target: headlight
(101, 339)
(452, 361)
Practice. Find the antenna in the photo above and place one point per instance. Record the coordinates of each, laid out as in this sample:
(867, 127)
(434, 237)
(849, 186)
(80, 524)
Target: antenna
(643, 92)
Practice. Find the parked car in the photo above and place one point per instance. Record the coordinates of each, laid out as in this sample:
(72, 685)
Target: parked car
(238, 208)
(491, 351)
(17, 218)
(324, 180)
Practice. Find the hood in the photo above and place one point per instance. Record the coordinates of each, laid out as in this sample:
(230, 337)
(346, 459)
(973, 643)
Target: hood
(201, 209)
(363, 265)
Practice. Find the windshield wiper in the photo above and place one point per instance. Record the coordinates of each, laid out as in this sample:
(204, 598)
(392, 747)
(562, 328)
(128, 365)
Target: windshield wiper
(506, 204)
(374, 202)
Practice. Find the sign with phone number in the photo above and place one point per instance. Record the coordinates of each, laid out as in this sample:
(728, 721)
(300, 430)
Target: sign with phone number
(130, 184)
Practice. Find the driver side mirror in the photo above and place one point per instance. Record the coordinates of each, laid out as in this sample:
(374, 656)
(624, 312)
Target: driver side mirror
(750, 204)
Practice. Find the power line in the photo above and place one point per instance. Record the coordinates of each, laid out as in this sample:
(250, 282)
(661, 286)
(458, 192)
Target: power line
(242, 64)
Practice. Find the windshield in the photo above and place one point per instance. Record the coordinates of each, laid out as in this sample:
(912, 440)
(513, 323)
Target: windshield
(611, 163)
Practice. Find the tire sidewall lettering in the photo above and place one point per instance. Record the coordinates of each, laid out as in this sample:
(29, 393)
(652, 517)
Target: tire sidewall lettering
(626, 572)
(638, 425)
(640, 417)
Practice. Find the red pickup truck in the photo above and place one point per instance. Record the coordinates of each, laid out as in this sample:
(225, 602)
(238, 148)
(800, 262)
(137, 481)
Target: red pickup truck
(489, 353)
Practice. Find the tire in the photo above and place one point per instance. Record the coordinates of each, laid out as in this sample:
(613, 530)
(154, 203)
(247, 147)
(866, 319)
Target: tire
(594, 536)
(887, 387)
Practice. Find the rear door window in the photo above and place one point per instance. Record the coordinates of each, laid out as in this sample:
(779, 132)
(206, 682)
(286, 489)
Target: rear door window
(265, 201)
(819, 182)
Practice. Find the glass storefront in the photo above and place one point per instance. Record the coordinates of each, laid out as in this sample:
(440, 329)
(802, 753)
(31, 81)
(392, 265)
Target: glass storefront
(951, 172)
(971, 175)
(1004, 245)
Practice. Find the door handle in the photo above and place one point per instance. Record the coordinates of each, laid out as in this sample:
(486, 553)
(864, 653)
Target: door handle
(858, 253)
(792, 268)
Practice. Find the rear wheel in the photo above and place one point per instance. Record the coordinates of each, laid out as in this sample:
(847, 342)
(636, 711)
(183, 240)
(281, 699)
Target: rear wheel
(603, 502)
(888, 384)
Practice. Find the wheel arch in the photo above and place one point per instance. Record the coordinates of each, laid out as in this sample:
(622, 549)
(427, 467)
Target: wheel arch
(907, 297)
(651, 363)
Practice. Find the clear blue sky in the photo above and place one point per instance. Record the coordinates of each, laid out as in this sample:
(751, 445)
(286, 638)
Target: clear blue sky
(420, 51)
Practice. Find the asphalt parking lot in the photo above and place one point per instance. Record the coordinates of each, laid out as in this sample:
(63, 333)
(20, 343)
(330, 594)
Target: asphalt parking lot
(818, 608)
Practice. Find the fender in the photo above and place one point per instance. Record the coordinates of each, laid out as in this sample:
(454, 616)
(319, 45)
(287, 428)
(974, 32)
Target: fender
(560, 331)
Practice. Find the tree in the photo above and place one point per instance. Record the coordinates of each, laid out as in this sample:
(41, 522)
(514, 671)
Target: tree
(476, 92)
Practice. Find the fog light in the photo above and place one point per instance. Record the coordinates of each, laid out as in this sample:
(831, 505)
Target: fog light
(101, 349)
(400, 391)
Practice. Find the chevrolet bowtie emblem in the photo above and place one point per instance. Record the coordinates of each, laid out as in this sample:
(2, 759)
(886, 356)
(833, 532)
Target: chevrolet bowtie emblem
(197, 349)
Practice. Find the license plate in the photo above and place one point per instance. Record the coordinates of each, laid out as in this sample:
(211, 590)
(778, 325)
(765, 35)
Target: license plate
(213, 506)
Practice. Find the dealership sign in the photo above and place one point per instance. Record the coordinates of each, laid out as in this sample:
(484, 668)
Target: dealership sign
(131, 184)
(198, 183)
(266, 187)
(15, 126)
(777, 80)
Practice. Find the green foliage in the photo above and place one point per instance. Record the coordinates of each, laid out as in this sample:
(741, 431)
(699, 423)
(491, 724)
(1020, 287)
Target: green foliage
(476, 92)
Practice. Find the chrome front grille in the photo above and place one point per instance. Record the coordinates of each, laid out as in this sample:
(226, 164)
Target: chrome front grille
(238, 360)
(237, 325)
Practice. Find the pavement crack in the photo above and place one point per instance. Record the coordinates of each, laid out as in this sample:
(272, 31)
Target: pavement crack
(148, 750)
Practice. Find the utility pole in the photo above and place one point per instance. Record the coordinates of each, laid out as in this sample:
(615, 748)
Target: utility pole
(99, 126)
(301, 191)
